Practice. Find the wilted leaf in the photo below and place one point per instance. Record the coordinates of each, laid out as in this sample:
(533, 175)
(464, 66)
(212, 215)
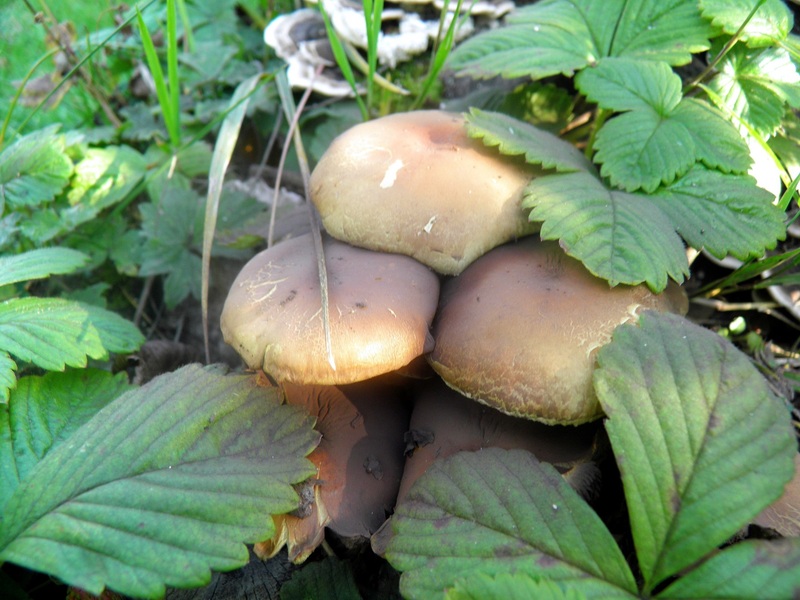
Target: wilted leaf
(753, 569)
(160, 486)
(34, 169)
(514, 137)
(604, 229)
(52, 333)
(507, 586)
(43, 412)
(701, 442)
(771, 22)
(40, 263)
(500, 511)
(330, 579)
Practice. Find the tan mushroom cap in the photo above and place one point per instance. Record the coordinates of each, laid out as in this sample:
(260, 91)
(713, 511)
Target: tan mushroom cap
(416, 184)
(381, 307)
(519, 330)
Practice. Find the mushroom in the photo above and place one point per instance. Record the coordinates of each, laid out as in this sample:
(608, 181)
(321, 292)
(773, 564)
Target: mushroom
(444, 423)
(380, 305)
(519, 329)
(359, 465)
(415, 183)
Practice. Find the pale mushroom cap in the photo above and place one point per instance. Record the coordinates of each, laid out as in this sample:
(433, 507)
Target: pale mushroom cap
(520, 328)
(381, 306)
(416, 184)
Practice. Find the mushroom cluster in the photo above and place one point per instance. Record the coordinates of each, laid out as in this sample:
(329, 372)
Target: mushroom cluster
(429, 256)
(407, 30)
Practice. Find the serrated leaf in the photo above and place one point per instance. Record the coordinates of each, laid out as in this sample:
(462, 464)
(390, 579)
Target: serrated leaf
(642, 150)
(40, 263)
(662, 30)
(34, 169)
(45, 411)
(161, 485)
(701, 442)
(622, 84)
(725, 214)
(755, 85)
(329, 579)
(508, 586)
(717, 143)
(52, 333)
(753, 569)
(104, 177)
(771, 22)
(603, 229)
(563, 36)
(499, 511)
(544, 39)
(7, 378)
(514, 137)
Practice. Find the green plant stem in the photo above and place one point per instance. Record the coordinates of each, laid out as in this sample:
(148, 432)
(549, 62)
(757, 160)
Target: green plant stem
(602, 116)
(721, 54)
(19, 91)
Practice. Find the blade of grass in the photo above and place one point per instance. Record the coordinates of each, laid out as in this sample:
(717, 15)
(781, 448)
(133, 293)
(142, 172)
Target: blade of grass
(220, 159)
(172, 74)
(373, 17)
(188, 36)
(158, 74)
(441, 51)
(340, 56)
(20, 89)
(293, 116)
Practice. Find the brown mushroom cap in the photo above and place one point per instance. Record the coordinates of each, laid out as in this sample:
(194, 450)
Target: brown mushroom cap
(519, 329)
(380, 305)
(359, 464)
(416, 184)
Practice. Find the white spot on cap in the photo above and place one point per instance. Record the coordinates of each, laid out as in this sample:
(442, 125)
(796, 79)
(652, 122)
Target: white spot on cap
(429, 224)
(391, 174)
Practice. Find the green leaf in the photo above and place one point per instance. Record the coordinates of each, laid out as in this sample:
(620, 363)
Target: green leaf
(168, 228)
(45, 411)
(508, 586)
(161, 485)
(52, 333)
(603, 229)
(329, 579)
(725, 214)
(40, 263)
(642, 150)
(753, 569)
(562, 36)
(771, 22)
(34, 169)
(663, 135)
(622, 84)
(103, 177)
(514, 137)
(717, 143)
(7, 378)
(660, 30)
(547, 38)
(755, 85)
(501, 511)
(701, 442)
